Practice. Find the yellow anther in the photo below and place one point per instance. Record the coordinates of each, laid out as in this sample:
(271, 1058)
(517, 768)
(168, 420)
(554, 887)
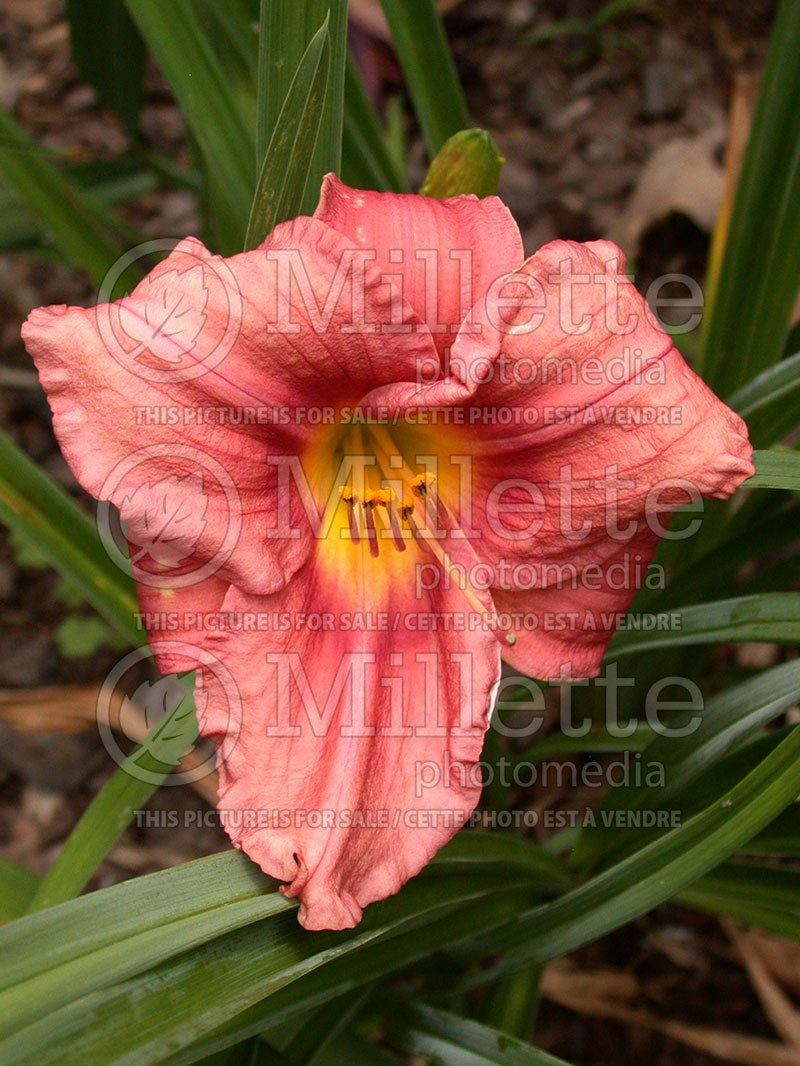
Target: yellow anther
(382, 496)
(408, 506)
(348, 494)
(421, 483)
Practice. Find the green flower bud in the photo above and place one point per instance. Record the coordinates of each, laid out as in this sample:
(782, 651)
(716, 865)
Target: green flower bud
(469, 162)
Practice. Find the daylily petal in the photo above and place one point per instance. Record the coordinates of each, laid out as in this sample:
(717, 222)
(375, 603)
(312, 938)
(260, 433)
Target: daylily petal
(448, 253)
(365, 690)
(590, 464)
(562, 628)
(365, 742)
(170, 402)
(176, 620)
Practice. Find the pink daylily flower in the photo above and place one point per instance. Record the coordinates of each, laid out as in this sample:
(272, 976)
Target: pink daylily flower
(462, 452)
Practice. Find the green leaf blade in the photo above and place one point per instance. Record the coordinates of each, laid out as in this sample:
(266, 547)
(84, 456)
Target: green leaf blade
(287, 28)
(221, 120)
(110, 54)
(771, 616)
(284, 175)
(43, 515)
(419, 40)
(83, 233)
(758, 282)
(770, 402)
(456, 1041)
(657, 871)
(775, 470)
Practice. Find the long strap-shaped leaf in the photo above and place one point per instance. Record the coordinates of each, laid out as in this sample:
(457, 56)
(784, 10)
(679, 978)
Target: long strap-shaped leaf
(347, 1048)
(83, 233)
(222, 122)
(80, 928)
(655, 872)
(239, 969)
(759, 278)
(108, 936)
(115, 805)
(20, 229)
(109, 53)
(56, 956)
(727, 719)
(770, 403)
(43, 515)
(366, 160)
(287, 27)
(430, 73)
(279, 971)
(284, 172)
(454, 1041)
(776, 470)
(17, 886)
(320, 1031)
(773, 616)
(764, 896)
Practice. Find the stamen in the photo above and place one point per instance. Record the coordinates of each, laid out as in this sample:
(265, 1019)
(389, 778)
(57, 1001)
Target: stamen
(435, 522)
(379, 496)
(462, 584)
(437, 515)
(408, 515)
(383, 498)
(422, 483)
(350, 497)
(421, 486)
(397, 533)
(372, 534)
